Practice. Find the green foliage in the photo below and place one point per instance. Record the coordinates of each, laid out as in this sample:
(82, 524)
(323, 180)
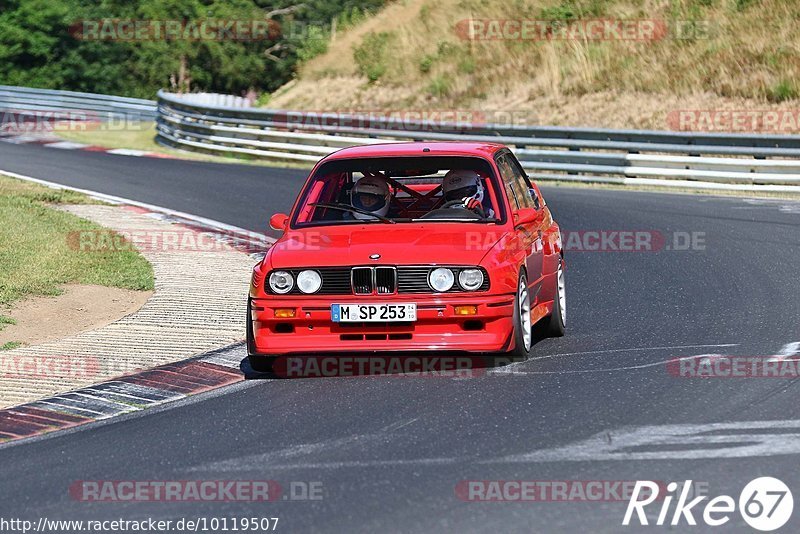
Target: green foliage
(425, 13)
(572, 10)
(439, 87)
(42, 44)
(445, 48)
(560, 13)
(263, 100)
(355, 15)
(783, 91)
(372, 55)
(314, 44)
(426, 63)
(466, 65)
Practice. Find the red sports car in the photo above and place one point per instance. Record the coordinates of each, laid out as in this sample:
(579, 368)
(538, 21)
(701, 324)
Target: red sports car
(410, 247)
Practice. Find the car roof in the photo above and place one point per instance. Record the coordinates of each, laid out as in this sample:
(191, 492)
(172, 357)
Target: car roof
(435, 148)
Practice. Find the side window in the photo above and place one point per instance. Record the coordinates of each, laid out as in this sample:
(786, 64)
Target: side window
(526, 196)
(514, 177)
(508, 180)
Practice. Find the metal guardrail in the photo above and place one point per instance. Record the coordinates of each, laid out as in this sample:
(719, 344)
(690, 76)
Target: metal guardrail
(217, 99)
(70, 105)
(640, 157)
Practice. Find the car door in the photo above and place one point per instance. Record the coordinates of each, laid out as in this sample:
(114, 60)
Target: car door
(519, 195)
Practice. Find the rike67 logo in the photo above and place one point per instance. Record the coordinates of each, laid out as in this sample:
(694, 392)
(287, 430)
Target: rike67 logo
(765, 504)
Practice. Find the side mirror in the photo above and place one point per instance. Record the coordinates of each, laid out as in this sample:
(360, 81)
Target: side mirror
(527, 216)
(279, 222)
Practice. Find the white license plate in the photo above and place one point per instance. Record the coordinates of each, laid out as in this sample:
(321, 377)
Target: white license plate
(373, 313)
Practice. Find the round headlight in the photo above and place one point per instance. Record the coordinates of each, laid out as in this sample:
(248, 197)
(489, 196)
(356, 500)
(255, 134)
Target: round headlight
(281, 282)
(441, 279)
(309, 281)
(470, 279)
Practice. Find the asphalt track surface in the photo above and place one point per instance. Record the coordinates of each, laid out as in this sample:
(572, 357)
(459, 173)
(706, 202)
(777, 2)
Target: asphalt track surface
(390, 451)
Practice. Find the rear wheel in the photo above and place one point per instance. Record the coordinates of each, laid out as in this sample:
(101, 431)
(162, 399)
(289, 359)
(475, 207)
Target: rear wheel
(556, 325)
(523, 331)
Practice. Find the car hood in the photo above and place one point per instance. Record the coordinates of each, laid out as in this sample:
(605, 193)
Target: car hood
(400, 244)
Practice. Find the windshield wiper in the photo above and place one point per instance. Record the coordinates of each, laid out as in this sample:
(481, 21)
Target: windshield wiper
(455, 219)
(352, 209)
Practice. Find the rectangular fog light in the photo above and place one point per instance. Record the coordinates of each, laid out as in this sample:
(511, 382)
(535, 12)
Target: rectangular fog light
(284, 313)
(466, 310)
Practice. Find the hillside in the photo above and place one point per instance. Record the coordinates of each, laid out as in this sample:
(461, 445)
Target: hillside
(420, 55)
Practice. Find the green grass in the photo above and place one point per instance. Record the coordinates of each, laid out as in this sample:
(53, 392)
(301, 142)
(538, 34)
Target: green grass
(439, 87)
(35, 253)
(782, 92)
(141, 136)
(136, 136)
(4, 321)
(10, 345)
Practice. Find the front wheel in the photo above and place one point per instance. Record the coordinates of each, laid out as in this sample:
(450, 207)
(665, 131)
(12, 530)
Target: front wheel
(556, 325)
(258, 362)
(523, 332)
(261, 364)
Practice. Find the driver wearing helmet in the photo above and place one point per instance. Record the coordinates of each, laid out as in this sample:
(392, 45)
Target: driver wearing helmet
(466, 186)
(372, 194)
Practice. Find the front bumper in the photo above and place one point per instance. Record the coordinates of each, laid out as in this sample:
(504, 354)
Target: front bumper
(437, 327)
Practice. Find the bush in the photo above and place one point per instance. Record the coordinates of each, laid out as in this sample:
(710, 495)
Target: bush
(562, 13)
(313, 44)
(425, 64)
(466, 65)
(263, 100)
(572, 10)
(785, 90)
(439, 87)
(371, 56)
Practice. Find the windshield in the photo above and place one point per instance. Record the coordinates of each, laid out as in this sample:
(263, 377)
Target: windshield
(400, 190)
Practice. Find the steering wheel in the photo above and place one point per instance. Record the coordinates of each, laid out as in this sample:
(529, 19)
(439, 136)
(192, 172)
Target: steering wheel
(451, 203)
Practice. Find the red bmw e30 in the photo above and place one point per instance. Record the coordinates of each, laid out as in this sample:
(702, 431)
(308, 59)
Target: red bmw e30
(410, 247)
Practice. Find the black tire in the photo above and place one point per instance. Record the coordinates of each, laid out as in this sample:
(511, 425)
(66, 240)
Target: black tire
(259, 363)
(556, 323)
(522, 348)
